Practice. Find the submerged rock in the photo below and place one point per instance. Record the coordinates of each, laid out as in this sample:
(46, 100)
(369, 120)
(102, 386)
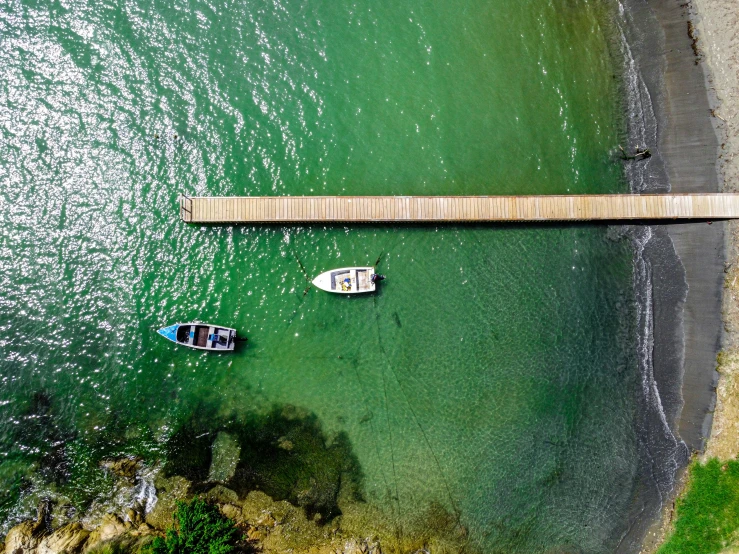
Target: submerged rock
(62, 512)
(224, 458)
(278, 526)
(288, 487)
(286, 454)
(221, 495)
(125, 468)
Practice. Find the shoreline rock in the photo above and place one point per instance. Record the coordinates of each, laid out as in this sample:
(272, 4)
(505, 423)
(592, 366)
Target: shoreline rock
(268, 526)
(124, 468)
(69, 538)
(291, 490)
(27, 535)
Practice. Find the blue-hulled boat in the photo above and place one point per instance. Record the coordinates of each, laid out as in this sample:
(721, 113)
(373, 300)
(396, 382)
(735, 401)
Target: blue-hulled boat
(202, 336)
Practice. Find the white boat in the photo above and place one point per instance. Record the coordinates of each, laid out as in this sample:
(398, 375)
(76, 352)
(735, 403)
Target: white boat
(202, 336)
(348, 280)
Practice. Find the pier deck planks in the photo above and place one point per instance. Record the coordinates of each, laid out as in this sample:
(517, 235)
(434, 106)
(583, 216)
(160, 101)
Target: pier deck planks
(403, 209)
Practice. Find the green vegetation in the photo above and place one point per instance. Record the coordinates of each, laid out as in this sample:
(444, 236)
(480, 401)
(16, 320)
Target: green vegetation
(199, 529)
(708, 514)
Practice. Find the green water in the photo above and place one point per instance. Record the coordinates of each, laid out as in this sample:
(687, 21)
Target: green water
(493, 374)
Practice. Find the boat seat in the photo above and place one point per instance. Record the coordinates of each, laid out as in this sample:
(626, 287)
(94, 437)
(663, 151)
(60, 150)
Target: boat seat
(363, 282)
(202, 337)
(337, 277)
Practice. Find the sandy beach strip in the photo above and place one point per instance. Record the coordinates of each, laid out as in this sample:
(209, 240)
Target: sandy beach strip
(688, 143)
(716, 30)
(699, 144)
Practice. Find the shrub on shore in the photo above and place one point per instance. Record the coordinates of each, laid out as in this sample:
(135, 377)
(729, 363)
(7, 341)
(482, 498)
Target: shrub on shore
(199, 529)
(708, 513)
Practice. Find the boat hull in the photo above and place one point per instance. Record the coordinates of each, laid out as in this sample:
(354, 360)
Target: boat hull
(346, 280)
(201, 336)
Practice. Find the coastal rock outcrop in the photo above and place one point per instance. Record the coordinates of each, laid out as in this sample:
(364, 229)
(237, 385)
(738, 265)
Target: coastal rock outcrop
(111, 527)
(169, 491)
(268, 526)
(25, 537)
(232, 512)
(68, 539)
(365, 546)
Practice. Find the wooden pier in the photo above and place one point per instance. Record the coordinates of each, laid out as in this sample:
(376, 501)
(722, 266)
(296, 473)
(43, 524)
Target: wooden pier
(409, 209)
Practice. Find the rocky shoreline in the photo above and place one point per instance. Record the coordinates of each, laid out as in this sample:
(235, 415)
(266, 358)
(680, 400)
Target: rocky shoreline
(285, 485)
(267, 525)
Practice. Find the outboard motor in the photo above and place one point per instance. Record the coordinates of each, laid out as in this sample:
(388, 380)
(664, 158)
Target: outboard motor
(376, 277)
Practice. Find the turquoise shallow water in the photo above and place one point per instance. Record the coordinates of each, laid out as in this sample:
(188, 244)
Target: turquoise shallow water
(494, 372)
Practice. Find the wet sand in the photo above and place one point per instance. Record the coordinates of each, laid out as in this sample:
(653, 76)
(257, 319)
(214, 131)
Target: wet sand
(689, 146)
